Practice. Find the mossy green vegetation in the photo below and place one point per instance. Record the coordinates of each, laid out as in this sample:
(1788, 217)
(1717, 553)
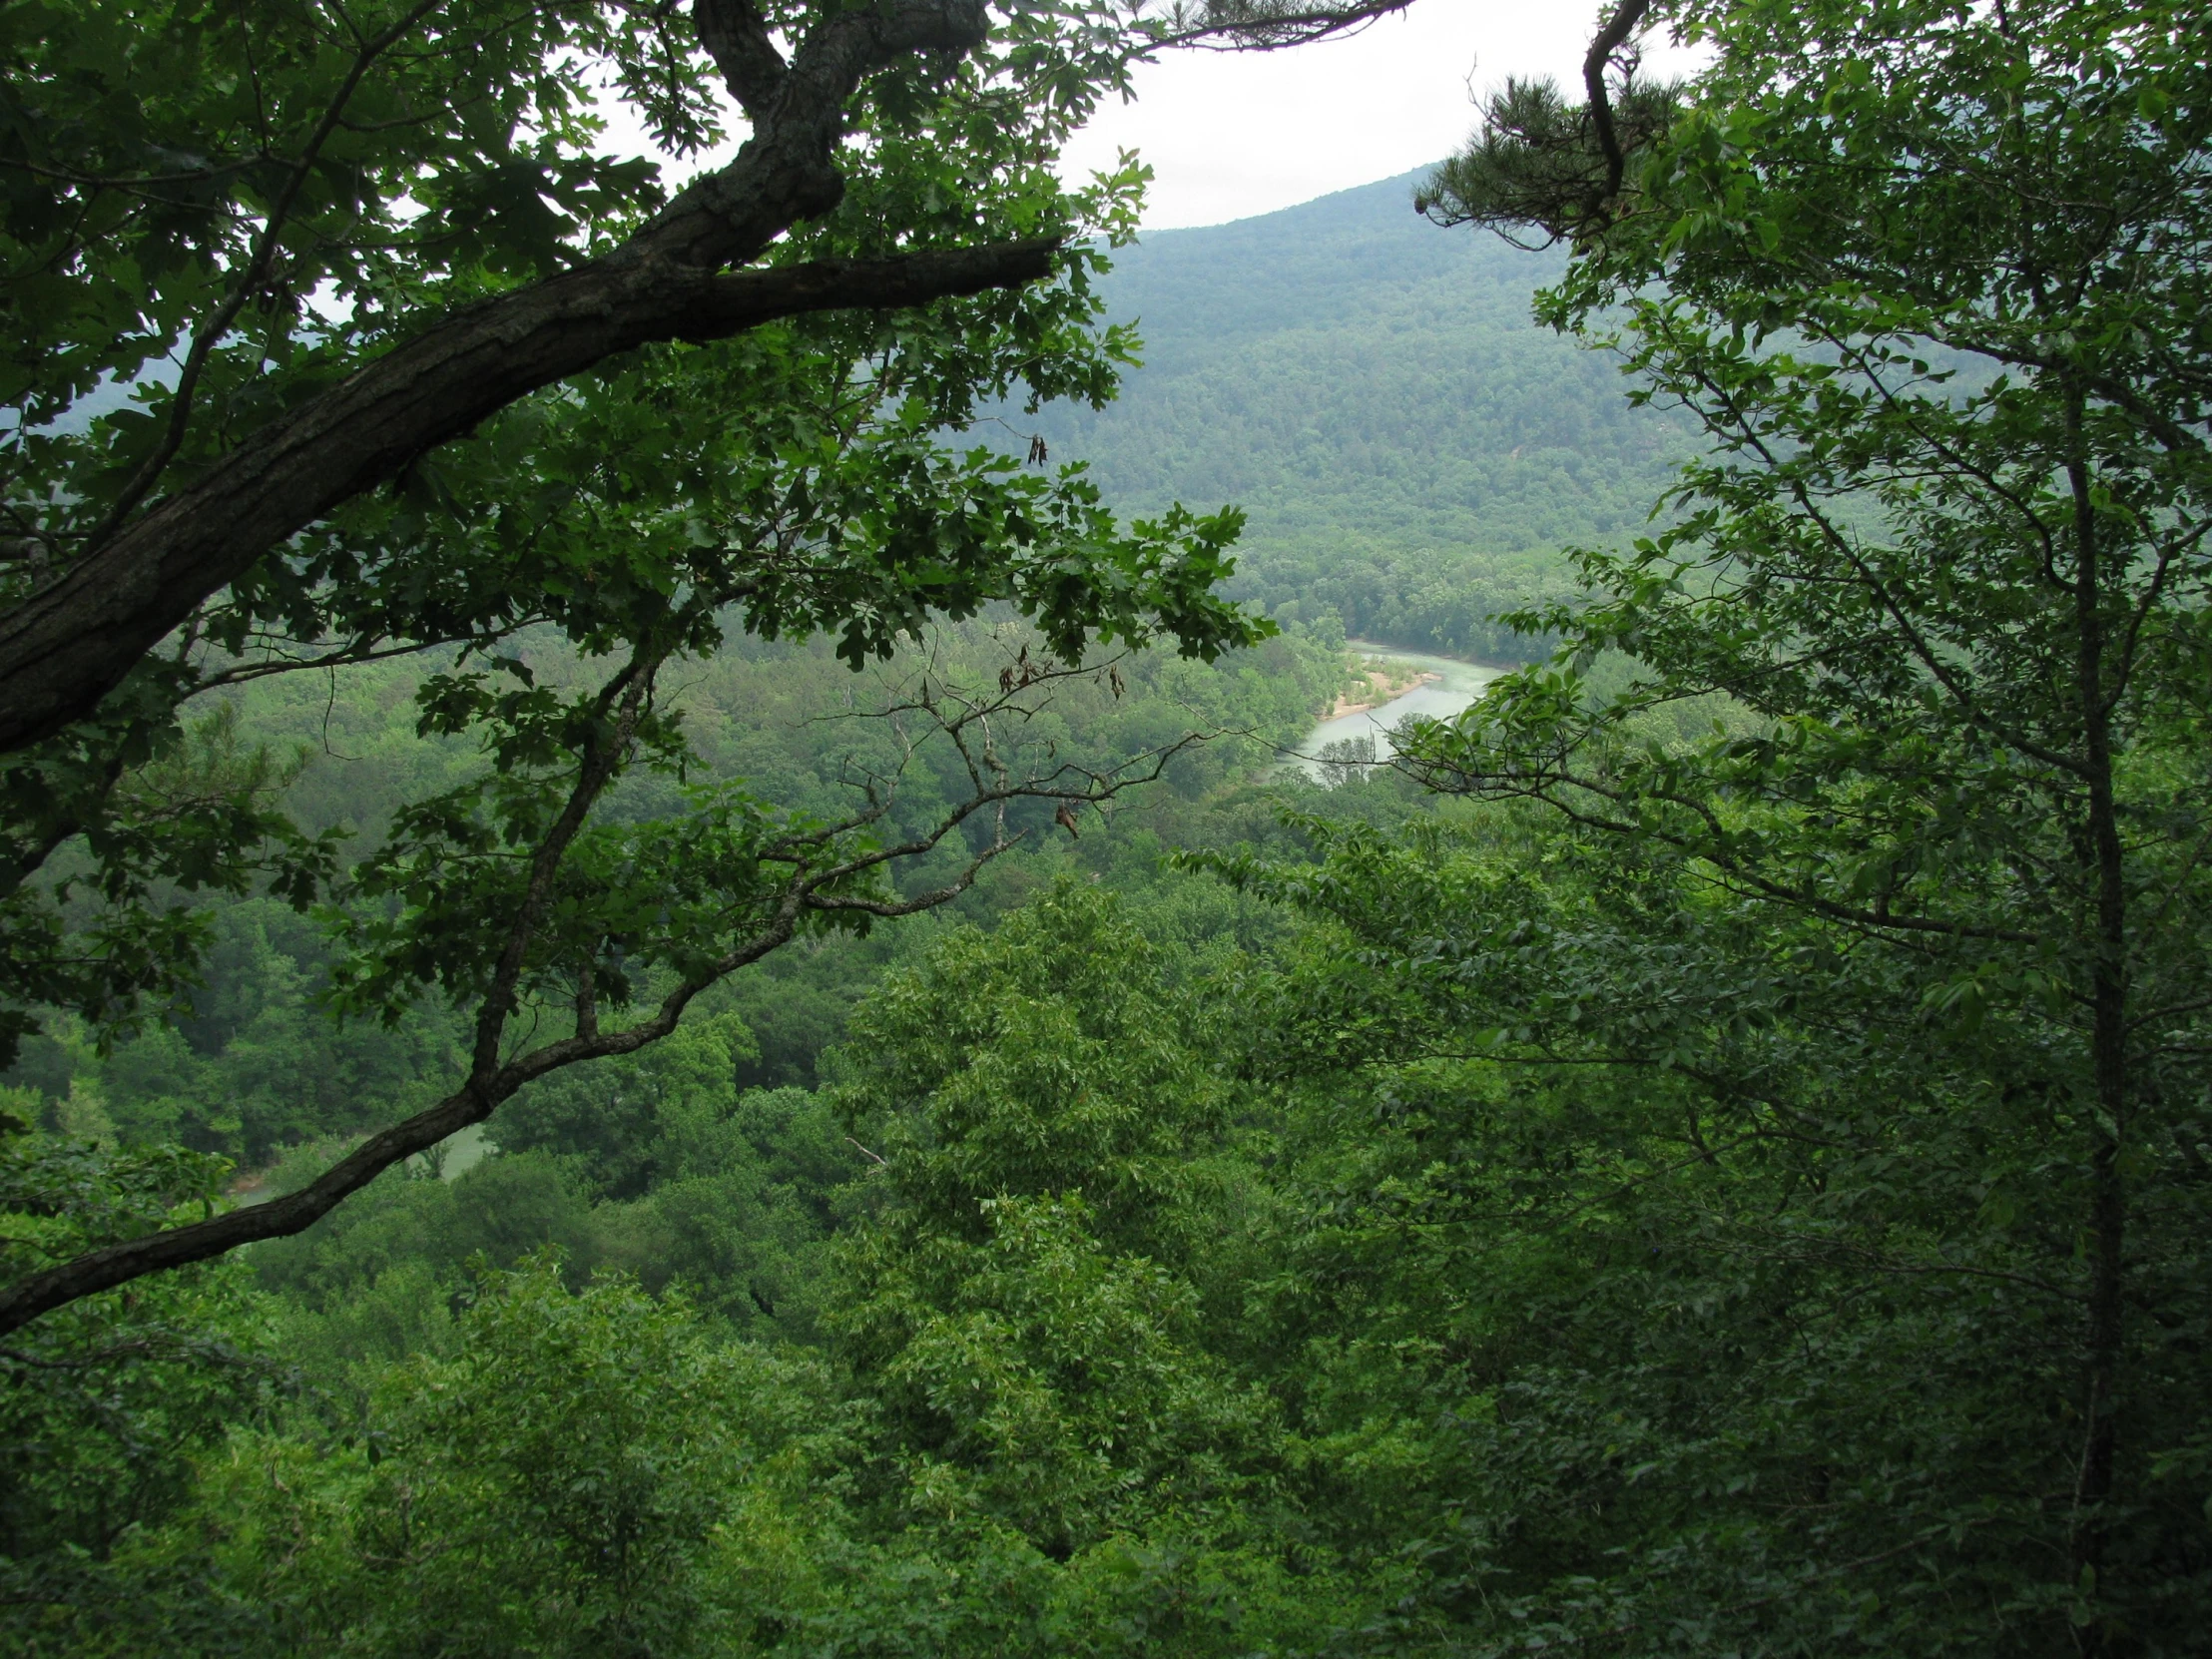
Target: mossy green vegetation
(1708, 1152)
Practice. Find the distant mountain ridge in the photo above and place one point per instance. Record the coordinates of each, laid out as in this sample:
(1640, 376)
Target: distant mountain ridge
(1369, 387)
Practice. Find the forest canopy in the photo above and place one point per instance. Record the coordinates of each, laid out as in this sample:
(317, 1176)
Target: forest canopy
(1705, 1152)
(413, 368)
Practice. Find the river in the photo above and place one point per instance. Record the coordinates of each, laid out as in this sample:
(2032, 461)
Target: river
(1458, 685)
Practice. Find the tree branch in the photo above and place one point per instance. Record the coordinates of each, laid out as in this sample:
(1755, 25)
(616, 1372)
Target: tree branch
(250, 281)
(68, 645)
(1626, 18)
(1266, 25)
(737, 40)
(73, 640)
(810, 886)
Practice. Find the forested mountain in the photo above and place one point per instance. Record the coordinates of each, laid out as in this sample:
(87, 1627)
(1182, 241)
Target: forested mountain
(1413, 447)
(700, 1022)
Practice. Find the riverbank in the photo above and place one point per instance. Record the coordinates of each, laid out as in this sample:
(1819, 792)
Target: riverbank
(1381, 687)
(1419, 682)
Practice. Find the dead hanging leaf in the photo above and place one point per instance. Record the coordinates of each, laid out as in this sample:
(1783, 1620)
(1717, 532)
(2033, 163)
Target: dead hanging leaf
(1065, 819)
(1024, 673)
(1113, 679)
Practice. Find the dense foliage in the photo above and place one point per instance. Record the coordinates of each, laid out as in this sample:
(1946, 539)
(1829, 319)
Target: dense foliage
(1707, 1155)
(1933, 292)
(1412, 450)
(781, 469)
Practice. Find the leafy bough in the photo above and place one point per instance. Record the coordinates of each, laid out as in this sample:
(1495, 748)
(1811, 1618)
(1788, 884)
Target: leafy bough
(597, 916)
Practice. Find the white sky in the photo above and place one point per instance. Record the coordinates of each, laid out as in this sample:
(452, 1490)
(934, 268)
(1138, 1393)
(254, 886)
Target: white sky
(1233, 134)
(1230, 135)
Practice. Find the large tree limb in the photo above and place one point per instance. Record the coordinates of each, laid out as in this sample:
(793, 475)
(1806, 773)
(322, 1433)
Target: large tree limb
(68, 645)
(679, 277)
(1628, 18)
(737, 40)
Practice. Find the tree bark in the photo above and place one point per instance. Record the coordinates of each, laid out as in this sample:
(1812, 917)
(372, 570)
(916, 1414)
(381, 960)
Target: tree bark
(2105, 1332)
(1626, 19)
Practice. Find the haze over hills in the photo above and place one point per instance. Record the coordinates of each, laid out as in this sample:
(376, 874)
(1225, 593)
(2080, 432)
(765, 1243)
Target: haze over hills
(1412, 448)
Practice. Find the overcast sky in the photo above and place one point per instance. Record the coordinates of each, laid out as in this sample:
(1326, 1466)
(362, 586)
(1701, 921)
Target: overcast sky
(1230, 135)
(1233, 134)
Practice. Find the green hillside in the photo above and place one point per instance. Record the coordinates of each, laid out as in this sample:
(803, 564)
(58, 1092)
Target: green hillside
(706, 1023)
(1412, 447)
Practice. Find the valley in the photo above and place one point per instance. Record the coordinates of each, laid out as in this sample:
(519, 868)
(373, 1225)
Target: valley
(763, 897)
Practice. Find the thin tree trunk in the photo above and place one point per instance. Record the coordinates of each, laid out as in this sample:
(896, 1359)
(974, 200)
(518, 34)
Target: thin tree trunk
(2107, 1046)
